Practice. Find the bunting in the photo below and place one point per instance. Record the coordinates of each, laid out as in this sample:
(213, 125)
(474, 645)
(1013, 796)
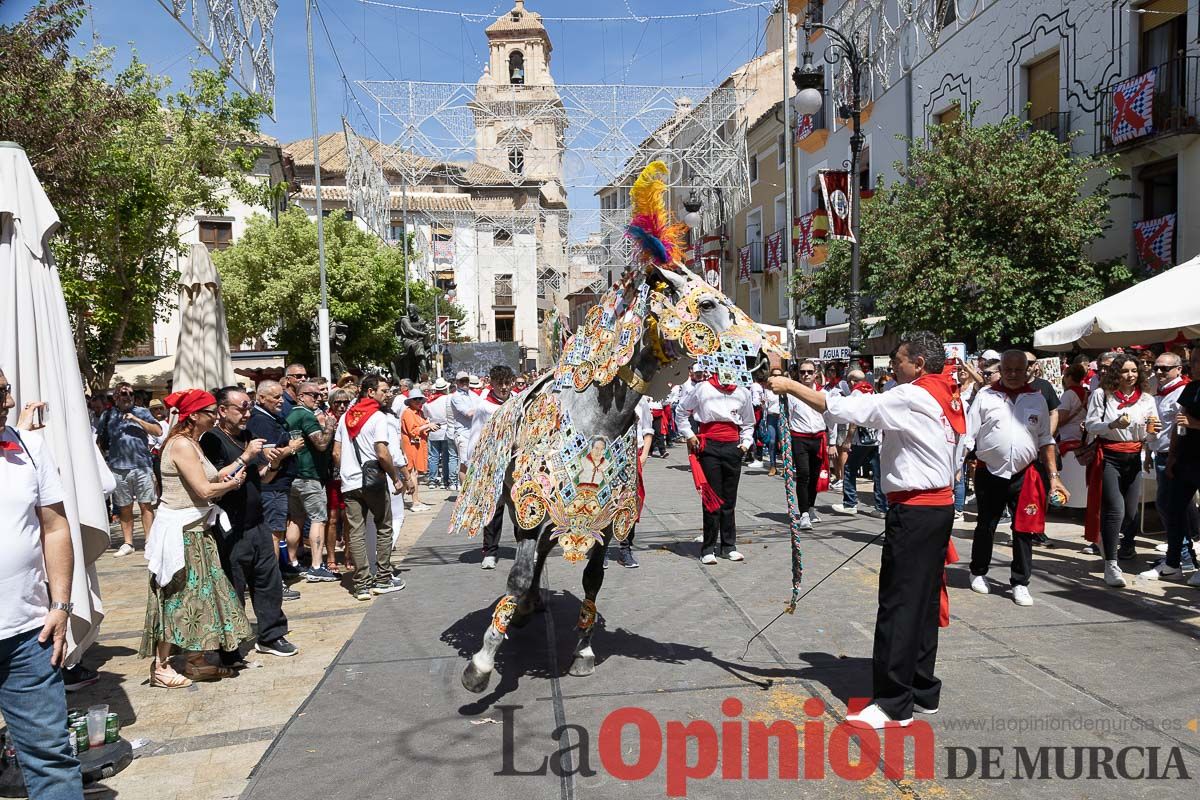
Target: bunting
(1133, 108)
(1154, 240)
(775, 257)
(835, 188)
(744, 264)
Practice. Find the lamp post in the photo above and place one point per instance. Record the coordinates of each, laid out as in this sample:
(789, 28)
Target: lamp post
(809, 99)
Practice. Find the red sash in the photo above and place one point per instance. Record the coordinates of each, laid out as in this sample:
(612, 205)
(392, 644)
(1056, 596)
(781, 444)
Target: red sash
(716, 432)
(719, 432)
(1095, 485)
(944, 595)
(822, 454)
(922, 497)
(1031, 504)
(1066, 446)
(1172, 386)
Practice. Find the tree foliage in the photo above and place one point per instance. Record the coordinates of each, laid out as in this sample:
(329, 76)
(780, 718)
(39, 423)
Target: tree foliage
(124, 163)
(271, 282)
(983, 238)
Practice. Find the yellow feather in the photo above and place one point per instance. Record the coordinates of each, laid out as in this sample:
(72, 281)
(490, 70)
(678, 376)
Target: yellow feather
(646, 196)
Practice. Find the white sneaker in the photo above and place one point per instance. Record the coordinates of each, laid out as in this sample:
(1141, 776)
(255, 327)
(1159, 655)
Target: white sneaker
(708, 558)
(1112, 574)
(875, 717)
(1159, 570)
(419, 507)
(958, 515)
(813, 516)
(1194, 580)
(754, 465)
(734, 555)
(845, 511)
(124, 550)
(698, 538)
(835, 486)
(979, 584)
(1090, 549)
(1020, 595)
(1162, 548)
(489, 562)
(805, 522)
(923, 710)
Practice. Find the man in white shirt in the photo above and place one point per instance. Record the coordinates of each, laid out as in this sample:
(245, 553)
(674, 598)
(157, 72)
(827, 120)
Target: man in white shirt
(810, 447)
(726, 432)
(757, 399)
(1008, 426)
(36, 575)
(462, 411)
(362, 437)
(501, 379)
(1171, 383)
(922, 418)
(443, 455)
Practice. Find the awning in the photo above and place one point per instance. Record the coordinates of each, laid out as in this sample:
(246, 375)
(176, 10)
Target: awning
(147, 375)
(1158, 309)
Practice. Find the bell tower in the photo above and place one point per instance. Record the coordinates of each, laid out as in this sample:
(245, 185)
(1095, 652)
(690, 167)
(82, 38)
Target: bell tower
(519, 117)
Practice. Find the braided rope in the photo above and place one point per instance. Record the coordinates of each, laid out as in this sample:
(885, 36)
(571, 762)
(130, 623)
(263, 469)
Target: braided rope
(793, 503)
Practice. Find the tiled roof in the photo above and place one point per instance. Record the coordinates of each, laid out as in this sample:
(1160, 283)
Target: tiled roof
(417, 201)
(334, 161)
(527, 22)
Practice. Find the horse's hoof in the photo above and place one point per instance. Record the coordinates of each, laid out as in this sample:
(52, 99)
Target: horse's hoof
(583, 666)
(475, 680)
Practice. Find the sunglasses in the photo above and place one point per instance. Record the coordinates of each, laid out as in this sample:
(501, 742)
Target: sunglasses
(298, 376)
(807, 372)
(1160, 368)
(244, 407)
(989, 373)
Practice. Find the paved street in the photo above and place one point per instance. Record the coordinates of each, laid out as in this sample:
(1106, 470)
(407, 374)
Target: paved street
(1084, 667)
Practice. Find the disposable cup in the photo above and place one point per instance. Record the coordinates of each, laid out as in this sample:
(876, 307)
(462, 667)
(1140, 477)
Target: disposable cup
(96, 716)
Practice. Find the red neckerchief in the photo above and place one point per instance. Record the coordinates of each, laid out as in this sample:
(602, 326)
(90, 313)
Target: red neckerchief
(477, 391)
(359, 413)
(1013, 394)
(1182, 380)
(831, 385)
(723, 388)
(1126, 402)
(9, 447)
(491, 398)
(1080, 392)
(429, 398)
(944, 390)
(864, 387)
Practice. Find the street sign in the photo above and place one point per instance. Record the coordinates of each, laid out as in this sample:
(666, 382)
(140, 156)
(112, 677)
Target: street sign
(835, 353)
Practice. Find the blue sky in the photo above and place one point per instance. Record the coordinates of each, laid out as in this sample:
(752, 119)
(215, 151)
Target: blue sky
(380, 43)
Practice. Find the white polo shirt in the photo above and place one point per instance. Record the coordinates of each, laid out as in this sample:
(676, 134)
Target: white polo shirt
(918, 451)
(30, 480)
(803, 418)
(1007, 434)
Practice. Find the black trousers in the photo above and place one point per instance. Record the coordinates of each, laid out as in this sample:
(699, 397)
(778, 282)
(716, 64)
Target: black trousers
(1120, 501)
(491, 531)
(722, 465)
(1184, 486)
(248, 557)
(906, 626)
(992, 496)
(806, 458)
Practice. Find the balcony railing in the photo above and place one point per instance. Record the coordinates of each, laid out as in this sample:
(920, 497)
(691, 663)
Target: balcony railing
(1057, 124)
(1175, 109)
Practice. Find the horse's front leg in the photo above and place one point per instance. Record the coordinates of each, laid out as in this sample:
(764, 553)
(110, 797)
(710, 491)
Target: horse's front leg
(479, 669)
(593, 577)
(532, 601)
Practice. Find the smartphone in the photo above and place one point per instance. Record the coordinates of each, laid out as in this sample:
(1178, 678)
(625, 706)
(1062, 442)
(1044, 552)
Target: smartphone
(41, 415)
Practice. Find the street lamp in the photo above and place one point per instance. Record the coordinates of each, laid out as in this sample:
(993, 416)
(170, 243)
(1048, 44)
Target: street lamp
(692, 206)
(809, 98)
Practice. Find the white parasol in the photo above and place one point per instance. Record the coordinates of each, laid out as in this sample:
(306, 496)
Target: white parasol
(202, 355)
(37, 354)
(1158, 309)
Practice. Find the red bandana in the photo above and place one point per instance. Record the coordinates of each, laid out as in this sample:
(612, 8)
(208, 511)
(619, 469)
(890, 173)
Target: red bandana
(1163, 391)
(491, 398)
(189, 401)
(864, 387)
(724, 388)
(945, 391)
(359, 413)
(1013, 394)
(1127, 401)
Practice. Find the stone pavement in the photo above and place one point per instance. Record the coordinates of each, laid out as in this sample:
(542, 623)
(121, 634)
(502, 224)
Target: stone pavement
(206, 739)
(1085, 668)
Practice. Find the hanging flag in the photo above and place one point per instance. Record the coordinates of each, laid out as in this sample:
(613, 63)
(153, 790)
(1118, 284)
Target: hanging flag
(804, 127)
(1133, 108)
(744, 264)
(443, 251)
(802, 236)
(712, 270)
(1153, 239)
(835, 187)
(774, 252)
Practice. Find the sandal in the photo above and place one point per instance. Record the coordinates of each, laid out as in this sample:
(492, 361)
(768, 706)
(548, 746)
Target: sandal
(199, 670)
(164, 676)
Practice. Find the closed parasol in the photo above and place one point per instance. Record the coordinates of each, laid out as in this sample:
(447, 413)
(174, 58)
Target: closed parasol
(202, 355)
(37, 354)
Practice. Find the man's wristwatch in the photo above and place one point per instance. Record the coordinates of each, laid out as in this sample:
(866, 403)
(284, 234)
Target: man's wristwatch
(67, 607)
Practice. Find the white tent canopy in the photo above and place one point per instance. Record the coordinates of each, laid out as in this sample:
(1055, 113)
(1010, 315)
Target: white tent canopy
(1158, 309)
(202, 355)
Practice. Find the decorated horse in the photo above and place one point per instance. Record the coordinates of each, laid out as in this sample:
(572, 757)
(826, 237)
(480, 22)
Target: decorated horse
(563, 456)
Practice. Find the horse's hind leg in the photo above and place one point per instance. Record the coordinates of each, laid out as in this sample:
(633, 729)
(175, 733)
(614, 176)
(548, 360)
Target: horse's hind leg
(478, 672)
(593, 577)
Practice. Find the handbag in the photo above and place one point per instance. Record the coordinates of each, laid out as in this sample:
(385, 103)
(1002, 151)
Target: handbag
(372, 474)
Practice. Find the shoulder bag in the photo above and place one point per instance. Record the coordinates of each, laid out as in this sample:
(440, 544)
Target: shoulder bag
(372, 474)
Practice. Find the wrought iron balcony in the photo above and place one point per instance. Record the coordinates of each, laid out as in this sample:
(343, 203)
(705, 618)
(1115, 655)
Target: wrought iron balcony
(1057, 124)
(1175, 107)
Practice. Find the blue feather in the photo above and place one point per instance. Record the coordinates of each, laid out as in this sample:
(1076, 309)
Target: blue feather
(650, 243)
